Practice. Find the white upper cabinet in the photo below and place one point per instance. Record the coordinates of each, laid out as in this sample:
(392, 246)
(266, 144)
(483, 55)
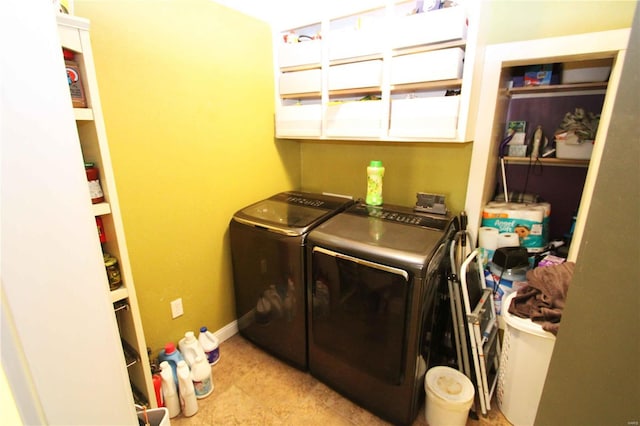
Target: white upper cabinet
(386, 74)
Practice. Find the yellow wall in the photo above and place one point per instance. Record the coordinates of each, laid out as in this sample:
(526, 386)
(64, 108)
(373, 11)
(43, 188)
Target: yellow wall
(187, 94)
(341, 167)
(515, 20)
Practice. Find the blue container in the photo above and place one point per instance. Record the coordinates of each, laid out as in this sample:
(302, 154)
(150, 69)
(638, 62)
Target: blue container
(172, 356)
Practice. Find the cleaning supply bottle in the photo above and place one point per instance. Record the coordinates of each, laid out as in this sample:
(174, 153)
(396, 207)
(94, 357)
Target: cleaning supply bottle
(187, 393)
(201, 377)
(375, 173)
(157, 388)
(190, 348)
(169, 390)
(172, 356)
(210, 344)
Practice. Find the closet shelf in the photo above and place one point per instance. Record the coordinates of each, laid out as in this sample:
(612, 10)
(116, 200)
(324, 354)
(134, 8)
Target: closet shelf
(555, 162)
(427, 85)
(557, 88)
(83, 114)
(428, 47)
(101, 209)
(119, 294)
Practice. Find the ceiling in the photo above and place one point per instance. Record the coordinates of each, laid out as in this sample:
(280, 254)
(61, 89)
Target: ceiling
(290, 13)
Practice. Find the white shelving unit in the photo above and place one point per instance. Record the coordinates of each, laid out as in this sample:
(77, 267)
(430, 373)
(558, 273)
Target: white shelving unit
(499, 62)
(74, 36)
(379, 74)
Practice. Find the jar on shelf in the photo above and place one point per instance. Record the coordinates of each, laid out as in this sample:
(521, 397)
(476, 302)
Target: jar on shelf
(93, 176)
(113, 271)
(100, 226)
(74, 78)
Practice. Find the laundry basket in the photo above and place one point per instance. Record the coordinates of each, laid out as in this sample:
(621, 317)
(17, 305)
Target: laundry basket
(524, 361)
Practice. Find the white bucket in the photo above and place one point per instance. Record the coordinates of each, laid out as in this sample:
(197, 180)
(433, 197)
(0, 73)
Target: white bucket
(449, 397)
(156, 416)
(526, 353)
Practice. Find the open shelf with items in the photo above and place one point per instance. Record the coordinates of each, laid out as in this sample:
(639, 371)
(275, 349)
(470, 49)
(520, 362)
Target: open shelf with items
(568, 184)
(383, 74)
(557, 162)
(74, 36)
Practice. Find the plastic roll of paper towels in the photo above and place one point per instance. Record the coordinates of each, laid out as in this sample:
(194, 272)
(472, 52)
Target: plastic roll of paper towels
(508, 239)
(487, 242)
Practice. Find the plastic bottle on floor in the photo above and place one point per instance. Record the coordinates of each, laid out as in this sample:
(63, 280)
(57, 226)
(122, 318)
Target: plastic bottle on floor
(190, 348)
(210, 344)
(169, 390)
(172, 356)
(201, 377)
(187, 393)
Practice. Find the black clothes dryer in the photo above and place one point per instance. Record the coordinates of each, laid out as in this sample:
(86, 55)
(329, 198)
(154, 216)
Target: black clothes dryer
(373, 287)
(268, 257)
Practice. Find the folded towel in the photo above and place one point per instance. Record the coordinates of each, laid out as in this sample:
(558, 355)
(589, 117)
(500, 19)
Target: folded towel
(544, 296)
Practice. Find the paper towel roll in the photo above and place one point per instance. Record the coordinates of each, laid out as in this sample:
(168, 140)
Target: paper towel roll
(508, 239)
(488, 238)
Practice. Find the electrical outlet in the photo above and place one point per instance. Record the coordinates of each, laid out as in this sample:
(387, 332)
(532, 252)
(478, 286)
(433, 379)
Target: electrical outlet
(176, 308)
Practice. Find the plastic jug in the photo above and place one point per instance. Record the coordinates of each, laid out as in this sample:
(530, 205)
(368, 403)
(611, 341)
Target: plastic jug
(190, 348)
(187, 393)
(210, 344)
(172, 356)
(201, 377)
(157, 388)
(375, 173)
(169, 390)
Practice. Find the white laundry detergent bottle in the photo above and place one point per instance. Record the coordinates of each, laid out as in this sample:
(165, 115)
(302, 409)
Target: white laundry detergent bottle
(190, 348)
(210, 344)
(169, 391)
(201, 377)
(188, 401)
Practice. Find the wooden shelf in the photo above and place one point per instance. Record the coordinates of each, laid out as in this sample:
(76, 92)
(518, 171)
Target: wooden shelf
(556, 162)
(83, 114)
(556, 88)
(427, 85)
(428, 47)
(74, 34)
(356, 91)
(309, 95)
(119, 294)
(388, 68)
(101, 209)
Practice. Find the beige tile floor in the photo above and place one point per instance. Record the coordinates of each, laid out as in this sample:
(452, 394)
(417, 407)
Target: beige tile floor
(255, 388)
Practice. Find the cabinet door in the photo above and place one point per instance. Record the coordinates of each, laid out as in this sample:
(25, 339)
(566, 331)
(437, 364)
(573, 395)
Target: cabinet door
(61, 340)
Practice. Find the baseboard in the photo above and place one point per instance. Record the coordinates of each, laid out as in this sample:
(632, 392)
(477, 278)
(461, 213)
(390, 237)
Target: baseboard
(227, 331)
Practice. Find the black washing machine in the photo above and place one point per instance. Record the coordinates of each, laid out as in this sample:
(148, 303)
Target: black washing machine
(374, 275)
(268, 257)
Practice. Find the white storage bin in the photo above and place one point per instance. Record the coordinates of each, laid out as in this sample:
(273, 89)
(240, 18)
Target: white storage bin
(299, 120)
(445, 64)
(524, 361)
(597, 70)
(304, 53)
(355, 43)
(429, 27)
(449, 397)
(355, 75)
(435, 117)
(357, 118)
(307, 81)
(580, 151)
